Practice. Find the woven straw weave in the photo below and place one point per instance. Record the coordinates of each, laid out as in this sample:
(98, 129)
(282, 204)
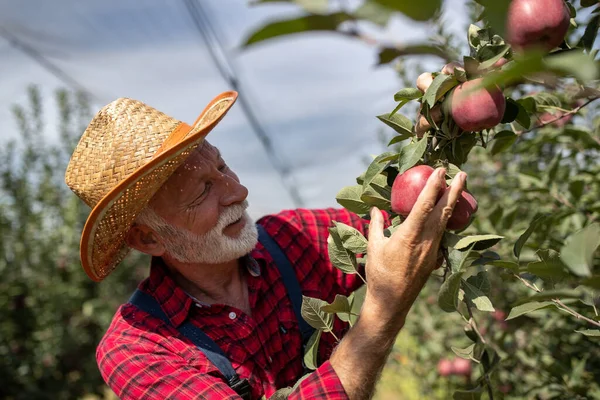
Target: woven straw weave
(124, 136)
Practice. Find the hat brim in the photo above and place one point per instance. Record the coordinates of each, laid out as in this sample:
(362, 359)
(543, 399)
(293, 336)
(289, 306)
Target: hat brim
(103, 244)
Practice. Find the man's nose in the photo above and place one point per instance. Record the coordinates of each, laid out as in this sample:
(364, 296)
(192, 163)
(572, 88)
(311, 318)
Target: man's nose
(234, 192)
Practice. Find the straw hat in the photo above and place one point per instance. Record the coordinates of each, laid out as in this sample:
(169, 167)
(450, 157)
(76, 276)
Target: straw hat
(125, 155)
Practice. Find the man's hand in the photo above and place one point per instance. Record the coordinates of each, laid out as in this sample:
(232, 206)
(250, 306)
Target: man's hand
(398, 267)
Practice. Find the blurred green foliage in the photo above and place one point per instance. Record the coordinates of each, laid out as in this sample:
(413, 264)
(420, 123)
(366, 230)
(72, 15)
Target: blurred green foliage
(52, 315)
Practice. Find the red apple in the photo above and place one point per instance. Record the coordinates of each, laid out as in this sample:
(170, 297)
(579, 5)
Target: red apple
(537, 23)
(408, 186)
(465, 207)
(479, 109)
(444, 367)
(500, 63)
(449, 68)
(545, 118)
(460, 366)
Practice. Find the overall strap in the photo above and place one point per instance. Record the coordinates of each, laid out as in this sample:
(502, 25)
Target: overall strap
(289, 279)
(205, 344)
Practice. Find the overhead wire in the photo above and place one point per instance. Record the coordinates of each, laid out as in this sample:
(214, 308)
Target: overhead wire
(228, 71)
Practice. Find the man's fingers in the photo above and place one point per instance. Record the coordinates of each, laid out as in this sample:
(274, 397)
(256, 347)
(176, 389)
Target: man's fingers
(376, 225)
(428, 197)
(443, 209)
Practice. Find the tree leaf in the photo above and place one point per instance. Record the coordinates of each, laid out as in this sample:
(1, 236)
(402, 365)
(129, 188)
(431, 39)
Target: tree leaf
(549, 266)
(466, 353)
(374, 12)
(472, 394)
(537, 221)
(341, 258)
(339, 305)
(352, 239)
(419, 11)
(593, 282)
(439, 87)
(411, 154)
(501, 141)
(448, 295)
(573, 63)
(590, 34)
(513, 266)
(388, 54)
(495, 13)
(527, 308)
(400, 138)
(349, 198)
(312, 350)
(297, 25)
(480, 242)
(281, 394)
(481, 282)
(408, 94)
(312, 314)
(397, 122)
(590, 332)
(579, 248)
(477, 297)
(375, 168)
(312, 6)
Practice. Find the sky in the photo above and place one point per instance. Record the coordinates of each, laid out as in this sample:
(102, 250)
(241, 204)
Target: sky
(316, 95)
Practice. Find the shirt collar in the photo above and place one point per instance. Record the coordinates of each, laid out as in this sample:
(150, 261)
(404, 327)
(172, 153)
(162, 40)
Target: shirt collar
(174, 301)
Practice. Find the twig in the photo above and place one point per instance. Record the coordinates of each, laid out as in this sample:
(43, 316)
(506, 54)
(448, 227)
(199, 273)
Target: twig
(559, 303)
(573, 111)
(575, 313)
(489, 387)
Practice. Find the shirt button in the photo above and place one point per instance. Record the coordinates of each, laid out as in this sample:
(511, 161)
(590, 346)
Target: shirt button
(270, 359)
(232, 315)
(282, 329)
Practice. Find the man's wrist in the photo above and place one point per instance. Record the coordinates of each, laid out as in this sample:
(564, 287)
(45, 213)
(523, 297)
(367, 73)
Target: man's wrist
(388, 317)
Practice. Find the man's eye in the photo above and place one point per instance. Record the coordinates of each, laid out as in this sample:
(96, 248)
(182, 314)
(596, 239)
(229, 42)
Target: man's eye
(223, 167)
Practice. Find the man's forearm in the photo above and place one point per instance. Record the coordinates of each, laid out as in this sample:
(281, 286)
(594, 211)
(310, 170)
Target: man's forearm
(361, 355)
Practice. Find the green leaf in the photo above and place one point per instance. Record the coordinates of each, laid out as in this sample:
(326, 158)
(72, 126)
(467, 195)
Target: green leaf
(356, 299)
(312, 314)
(573, 63)
(341, 258)
(523, 117)
(438, 88)
(590, 34)
(489, 63)
(590, 332)
(374, 12)
(388, 54)
(376, 167)
(513, 266)
(352, 239)
(466, 353)
(408, 94)
(419, 11)
(479, 242)
(527, 308)
(550, 174)
(281, 394)
(448, 295)
(477, 297)
(349, 198)
(593, 282)
(537, 221)
(588, 3)
(312, 6)
(481, 282)
(579, 248)
(312, 350)
(472, 394)
(400, 138)
(297, 25)
(339, 305)
(411, 154)
(501, 141)
(511, 111)
(398, 122)
(495, 13)
(549, 266)
(582, 135)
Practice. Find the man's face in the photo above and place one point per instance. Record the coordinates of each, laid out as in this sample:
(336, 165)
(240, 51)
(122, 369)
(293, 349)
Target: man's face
(203, 207)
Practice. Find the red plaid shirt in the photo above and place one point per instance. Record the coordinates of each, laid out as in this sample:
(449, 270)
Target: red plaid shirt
(141, 357)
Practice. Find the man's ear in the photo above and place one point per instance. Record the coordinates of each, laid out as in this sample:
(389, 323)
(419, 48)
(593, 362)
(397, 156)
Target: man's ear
(144, 239)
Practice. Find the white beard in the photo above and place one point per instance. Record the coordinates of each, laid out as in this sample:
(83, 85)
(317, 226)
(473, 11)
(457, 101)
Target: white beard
(212, 247)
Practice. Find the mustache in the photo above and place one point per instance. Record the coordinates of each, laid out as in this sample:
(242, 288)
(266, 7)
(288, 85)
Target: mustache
(232, 214)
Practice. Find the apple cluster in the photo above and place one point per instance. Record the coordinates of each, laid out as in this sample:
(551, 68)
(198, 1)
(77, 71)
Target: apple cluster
(530, 24)
(458, 366)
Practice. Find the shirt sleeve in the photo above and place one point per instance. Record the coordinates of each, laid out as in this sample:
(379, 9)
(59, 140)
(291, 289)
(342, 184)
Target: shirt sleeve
(142, 369)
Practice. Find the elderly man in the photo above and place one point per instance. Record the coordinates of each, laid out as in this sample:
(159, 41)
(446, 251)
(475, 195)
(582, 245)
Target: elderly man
(216, 299)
